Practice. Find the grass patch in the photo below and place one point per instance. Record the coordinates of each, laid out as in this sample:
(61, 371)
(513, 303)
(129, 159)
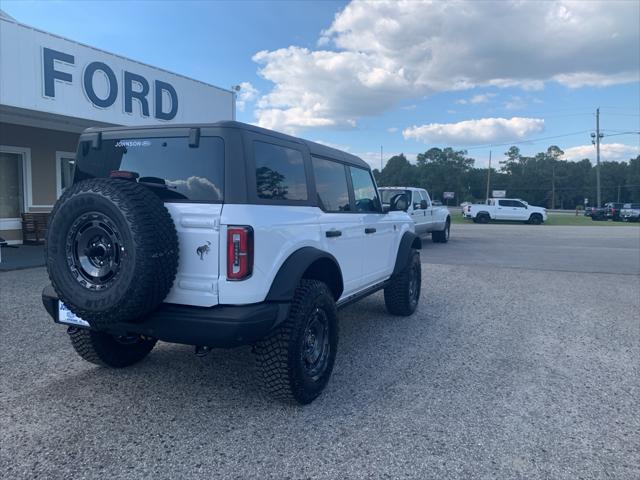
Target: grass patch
(562, 219)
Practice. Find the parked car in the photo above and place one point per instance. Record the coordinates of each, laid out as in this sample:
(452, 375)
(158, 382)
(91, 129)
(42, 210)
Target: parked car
(589, 211)
(427, 217)
(436, 203)
(221, 235)
(511, 209)
(630, 212)
(612, 211)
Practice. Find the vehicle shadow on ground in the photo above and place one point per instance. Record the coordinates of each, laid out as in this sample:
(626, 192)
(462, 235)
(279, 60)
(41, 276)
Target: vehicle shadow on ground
(172, 381)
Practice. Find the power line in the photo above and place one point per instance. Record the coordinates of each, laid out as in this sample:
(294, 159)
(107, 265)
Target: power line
(522, 142)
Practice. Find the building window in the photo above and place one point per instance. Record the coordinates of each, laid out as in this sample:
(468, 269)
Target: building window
(11, 184)
(65, 162)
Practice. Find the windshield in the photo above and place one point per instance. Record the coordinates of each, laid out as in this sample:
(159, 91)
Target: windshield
(387, 194)
(174, 170)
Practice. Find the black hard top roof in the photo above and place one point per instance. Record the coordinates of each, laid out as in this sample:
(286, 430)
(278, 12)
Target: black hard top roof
(314, 148)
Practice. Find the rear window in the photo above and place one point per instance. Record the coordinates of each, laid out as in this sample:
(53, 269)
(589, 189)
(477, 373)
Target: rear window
(175, 171)
(387, 195)
(280, 173)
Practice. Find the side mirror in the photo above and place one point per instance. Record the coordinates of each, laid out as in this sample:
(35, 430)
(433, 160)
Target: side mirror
(423, 204)
(399, 202)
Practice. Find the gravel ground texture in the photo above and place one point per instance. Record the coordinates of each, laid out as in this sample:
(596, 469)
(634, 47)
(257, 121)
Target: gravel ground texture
(510, 368)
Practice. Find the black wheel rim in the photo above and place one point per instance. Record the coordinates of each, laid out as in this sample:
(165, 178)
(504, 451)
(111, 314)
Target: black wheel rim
(94, 250)
(315, 344)
(414, 285)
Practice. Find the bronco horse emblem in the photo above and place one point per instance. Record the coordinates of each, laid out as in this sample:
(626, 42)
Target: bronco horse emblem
(203, 250)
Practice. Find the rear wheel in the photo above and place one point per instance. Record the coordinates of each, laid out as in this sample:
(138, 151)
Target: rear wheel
(108, 350)
(296, 360)
(483, 218)
(442, 236)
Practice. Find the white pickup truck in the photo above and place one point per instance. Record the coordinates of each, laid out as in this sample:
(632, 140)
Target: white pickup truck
(505, 209)
(427, 218)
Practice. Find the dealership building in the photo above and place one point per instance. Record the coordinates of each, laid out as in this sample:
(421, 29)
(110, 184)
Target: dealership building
(52, 88)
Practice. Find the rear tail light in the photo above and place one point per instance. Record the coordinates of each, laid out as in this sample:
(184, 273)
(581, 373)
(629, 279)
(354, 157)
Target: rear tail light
(239, 252)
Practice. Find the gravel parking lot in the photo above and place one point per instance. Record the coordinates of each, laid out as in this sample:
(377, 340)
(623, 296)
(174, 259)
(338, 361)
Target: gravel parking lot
(523, 361)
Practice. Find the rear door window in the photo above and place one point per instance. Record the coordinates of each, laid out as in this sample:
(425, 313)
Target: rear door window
(280, 172)
(331, 185)
(175, 171)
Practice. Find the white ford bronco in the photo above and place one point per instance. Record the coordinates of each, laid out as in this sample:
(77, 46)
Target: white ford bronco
(222, 235)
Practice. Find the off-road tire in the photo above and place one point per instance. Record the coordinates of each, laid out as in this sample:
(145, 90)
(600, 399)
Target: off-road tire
(442, 236)
(148, 257)
(398, 298)
(106, 350)
(279, 356)
(535, 219)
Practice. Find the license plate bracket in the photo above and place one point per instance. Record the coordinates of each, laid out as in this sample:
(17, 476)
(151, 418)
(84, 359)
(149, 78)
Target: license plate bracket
(67, 317)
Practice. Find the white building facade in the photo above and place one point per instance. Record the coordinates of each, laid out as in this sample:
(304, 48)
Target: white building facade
(52, 88)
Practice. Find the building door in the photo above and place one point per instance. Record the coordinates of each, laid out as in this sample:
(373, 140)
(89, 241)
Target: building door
(12, 187)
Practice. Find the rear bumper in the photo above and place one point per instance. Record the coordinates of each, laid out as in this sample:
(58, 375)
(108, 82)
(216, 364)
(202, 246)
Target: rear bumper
(219, 326)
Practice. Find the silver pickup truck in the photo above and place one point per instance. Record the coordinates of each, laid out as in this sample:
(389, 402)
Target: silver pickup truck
(427, 217)
(630, 212)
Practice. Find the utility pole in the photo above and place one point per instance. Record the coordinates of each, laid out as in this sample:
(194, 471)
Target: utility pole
(618, 193)
(595, 139)
(553, 185)
(488, 177)
(380, 158)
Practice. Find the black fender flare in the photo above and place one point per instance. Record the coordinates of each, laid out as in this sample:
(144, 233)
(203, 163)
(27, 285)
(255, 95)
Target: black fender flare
(409, 241)
(292, 270)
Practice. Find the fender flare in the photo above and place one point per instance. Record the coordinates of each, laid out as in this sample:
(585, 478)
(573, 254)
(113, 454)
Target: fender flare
(294, 267)
(409, 241)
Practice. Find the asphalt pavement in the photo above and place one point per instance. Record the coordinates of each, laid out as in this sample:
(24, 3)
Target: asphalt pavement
(523, 361)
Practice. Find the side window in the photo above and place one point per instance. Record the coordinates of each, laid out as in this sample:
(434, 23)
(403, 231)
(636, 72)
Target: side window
(331, 185)
(417, 198)
(517, 204)
(505, 203)
(280, 173)
(364, 191)
(425, 196)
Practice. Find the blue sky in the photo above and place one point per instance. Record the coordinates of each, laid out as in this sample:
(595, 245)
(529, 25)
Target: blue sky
(407, 76)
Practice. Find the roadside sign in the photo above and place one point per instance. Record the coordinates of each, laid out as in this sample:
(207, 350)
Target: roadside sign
(448, 195)
(499, 193)
(586, 200)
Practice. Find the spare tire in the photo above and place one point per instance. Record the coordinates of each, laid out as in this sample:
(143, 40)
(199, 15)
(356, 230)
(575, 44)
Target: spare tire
(111, 251)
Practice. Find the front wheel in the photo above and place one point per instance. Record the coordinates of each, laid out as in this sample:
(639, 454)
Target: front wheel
(108, 350)
(535, 219)
(402, 294)
(296, 360)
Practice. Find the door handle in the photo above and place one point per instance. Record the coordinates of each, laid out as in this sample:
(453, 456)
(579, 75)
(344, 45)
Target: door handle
(369, 230)
(333, 233)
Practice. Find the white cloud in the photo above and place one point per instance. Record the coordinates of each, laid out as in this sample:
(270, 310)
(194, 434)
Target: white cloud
(248, 93)
(392, 129)
(470, 132)
(515, 103)
(376, 55)
(615, 152)
(479, 98)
